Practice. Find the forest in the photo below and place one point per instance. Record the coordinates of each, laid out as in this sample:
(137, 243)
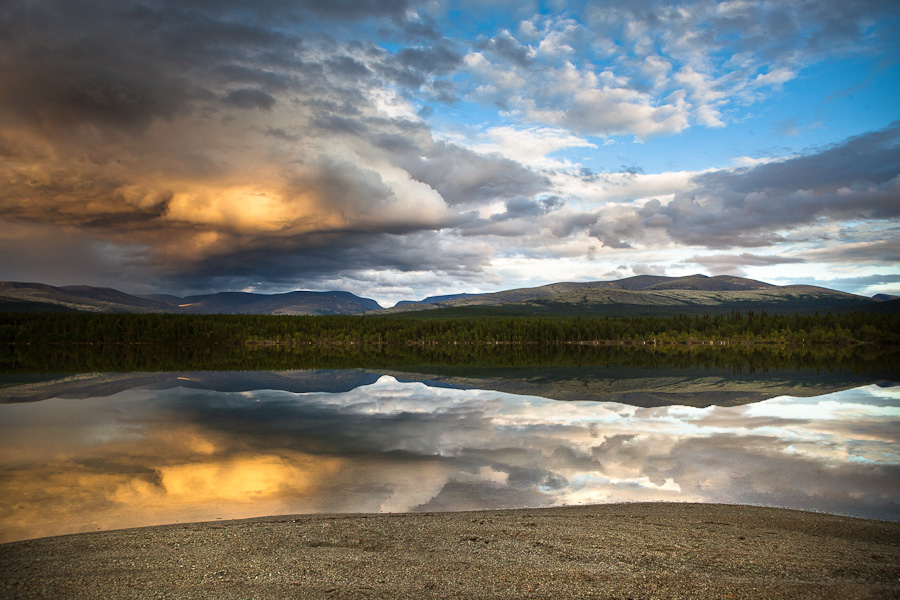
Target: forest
(879, 361)
(234, 330)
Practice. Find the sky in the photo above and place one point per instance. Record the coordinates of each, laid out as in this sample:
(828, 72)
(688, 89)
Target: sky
(399, 149)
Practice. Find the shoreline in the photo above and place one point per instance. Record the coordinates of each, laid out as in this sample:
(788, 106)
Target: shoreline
(642, 550)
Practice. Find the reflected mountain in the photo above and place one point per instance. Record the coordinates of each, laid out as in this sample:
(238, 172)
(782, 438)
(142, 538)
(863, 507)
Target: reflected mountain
(32, 388)
(635, 386)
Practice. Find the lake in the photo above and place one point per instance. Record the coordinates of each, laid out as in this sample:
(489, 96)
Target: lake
(89, 451)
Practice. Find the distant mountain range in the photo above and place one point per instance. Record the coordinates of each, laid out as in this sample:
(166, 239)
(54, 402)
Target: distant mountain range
(637, 386)
(32, 297)
(650, 295)
(641, 295)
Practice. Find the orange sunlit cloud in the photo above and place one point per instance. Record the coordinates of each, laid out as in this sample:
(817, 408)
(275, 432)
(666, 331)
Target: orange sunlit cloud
(172, 475)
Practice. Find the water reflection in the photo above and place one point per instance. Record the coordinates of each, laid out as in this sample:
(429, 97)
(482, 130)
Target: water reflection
(167, 452)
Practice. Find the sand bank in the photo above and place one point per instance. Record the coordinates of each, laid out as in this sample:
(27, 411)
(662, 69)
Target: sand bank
(642, 550)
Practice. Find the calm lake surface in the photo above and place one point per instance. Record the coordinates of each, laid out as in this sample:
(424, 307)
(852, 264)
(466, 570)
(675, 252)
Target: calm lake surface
(83, 452)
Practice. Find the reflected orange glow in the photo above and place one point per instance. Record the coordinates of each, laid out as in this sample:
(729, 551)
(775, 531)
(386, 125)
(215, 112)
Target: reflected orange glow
(134, 459)
(173, 475)
(247, 479)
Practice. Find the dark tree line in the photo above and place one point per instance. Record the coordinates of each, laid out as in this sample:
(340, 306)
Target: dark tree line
(880, 361)
(734, 328)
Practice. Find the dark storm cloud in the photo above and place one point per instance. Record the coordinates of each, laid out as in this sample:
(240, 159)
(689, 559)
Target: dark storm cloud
(278, 10)
(859, 178)
(120, 67)
(221, 141)
(355, 9)
(262, 78)
(347, 68)
(316, 258)
(250, 98)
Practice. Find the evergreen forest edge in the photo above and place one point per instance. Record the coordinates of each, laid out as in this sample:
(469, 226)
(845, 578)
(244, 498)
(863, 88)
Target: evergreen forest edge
(73, 342)
(231, 329)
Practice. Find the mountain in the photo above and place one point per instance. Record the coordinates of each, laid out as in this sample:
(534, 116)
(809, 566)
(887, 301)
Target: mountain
(435, 299)
(291, 303)
(633, 296)
(642, 386)
(164, 298)
(646, 295)
(37, 387)
(636, 386)
(39, 297)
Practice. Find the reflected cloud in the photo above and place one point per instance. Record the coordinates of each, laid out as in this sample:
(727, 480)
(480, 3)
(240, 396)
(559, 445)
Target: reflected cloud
(156, 455)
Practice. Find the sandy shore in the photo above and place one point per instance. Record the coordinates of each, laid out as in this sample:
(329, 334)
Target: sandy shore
(605, 551)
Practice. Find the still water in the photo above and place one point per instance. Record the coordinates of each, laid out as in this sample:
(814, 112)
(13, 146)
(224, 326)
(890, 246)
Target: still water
(105, 451)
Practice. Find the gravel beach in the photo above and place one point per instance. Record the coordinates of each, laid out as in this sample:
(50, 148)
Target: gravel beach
(640, 550)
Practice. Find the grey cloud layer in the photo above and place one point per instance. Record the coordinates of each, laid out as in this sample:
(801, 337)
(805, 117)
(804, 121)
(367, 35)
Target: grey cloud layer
(757, 207)
(276, 142)
(859, 178)
(132, 121)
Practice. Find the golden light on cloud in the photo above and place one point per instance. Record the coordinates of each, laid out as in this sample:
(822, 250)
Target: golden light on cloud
(65, 498)
(236, 480)
(243, 208)
(170, 475)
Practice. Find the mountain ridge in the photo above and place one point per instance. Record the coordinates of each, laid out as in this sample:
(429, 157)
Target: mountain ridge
(641, 294)
(644, 295)
(39, 297)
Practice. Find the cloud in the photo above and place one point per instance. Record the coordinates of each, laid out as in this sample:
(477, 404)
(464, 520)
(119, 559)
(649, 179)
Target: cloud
(857, 179)
(284, 143)
(601, 104)
(879, 252)
(507, 47)
(530, 146)
(810, 201)
(250, 98)
(200, 143)
(465, 177)
(868, 285)
(731, 264)
(717, 55)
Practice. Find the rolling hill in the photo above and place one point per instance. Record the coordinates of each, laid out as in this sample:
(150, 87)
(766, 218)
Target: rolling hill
(38, 297)
(291, 303)
(634, 296)
(645, 295)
